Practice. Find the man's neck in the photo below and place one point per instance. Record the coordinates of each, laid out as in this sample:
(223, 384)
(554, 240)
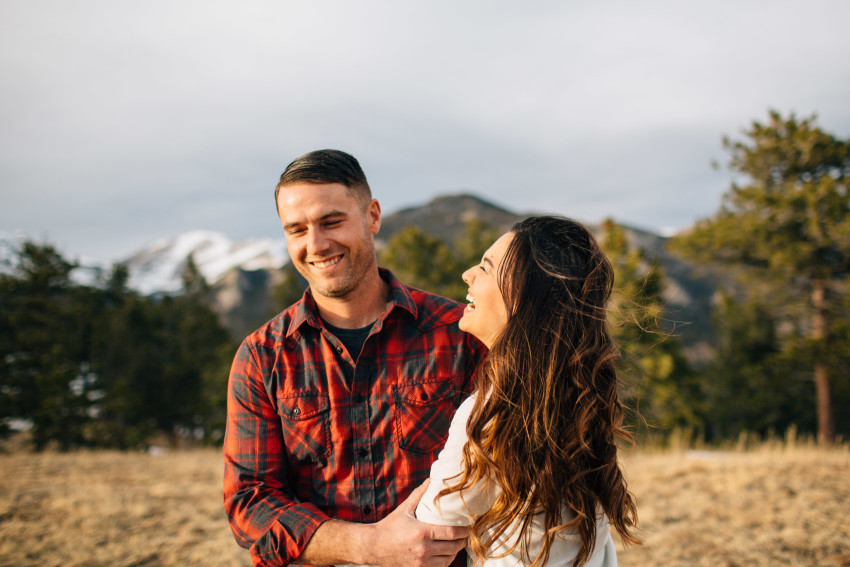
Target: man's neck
(359, 308)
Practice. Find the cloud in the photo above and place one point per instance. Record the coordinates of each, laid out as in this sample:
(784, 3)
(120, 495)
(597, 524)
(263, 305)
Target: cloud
(126, 122)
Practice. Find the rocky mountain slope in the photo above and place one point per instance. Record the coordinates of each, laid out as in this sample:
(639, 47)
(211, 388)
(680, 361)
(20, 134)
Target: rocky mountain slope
(444, 217)
(688, 294)
(158, 268)
(244, 274)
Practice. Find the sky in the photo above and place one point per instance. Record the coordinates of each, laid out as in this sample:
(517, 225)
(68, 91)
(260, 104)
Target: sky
(124, 122)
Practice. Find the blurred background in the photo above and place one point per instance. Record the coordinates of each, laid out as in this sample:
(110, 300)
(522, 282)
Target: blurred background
(141, 144)
(707, 145)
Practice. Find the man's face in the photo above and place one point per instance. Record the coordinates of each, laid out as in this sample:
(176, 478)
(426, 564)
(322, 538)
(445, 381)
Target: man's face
(329, 235)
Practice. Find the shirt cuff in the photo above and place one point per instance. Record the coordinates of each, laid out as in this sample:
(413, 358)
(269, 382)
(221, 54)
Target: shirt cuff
(288, 536)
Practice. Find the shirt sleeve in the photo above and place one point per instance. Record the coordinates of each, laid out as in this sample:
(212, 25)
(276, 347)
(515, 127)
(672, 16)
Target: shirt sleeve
(457, 508)
(263, 513)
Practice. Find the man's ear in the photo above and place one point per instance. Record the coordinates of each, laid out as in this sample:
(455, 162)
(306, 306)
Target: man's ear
(373, 213)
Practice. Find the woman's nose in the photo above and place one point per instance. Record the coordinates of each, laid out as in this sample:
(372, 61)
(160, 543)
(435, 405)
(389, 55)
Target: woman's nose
(467, 276)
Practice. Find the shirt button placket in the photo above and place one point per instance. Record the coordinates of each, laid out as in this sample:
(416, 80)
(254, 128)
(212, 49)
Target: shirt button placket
(363, 463)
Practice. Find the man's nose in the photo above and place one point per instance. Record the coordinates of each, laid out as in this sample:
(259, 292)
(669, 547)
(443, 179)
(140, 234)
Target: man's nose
(317, 243)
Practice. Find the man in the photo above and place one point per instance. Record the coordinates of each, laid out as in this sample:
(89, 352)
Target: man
(338, 406)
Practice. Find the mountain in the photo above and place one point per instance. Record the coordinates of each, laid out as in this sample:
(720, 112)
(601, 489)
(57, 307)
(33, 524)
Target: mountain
(444, 217)
(158, 268)
(244, 274)
(688, 296)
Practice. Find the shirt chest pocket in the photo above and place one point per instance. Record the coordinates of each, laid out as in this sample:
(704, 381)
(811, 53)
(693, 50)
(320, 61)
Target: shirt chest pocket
(423, 413)
(305, 419)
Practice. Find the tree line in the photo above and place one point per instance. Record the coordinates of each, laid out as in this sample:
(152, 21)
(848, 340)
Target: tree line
(104, 366)
(781, 323)
(783, 231)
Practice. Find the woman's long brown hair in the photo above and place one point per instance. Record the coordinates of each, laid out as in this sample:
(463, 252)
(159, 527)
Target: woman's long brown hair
(547, 417)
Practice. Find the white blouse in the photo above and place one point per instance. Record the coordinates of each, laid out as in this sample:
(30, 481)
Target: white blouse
(456, 509)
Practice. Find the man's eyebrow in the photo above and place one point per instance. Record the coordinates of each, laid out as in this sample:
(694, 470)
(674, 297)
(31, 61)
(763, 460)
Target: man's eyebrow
(325, 217)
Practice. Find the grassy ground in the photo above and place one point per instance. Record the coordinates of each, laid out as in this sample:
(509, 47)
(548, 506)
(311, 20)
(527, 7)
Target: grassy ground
(756, 508)
(114, 509)
(775, 506)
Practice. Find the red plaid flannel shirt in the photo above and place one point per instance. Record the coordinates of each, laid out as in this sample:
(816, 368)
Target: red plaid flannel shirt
(313, 435)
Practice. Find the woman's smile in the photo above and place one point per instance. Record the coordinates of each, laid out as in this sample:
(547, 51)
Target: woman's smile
(485, 314)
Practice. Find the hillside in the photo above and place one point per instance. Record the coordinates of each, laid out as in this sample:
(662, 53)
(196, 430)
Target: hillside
(444, 217)
(158, 268)
(244, 274)
(688, 294)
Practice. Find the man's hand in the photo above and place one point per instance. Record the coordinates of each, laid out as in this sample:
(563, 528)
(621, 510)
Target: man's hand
(400, 540)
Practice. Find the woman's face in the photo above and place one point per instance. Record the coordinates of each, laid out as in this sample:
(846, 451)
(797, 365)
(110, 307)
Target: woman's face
(486, 315)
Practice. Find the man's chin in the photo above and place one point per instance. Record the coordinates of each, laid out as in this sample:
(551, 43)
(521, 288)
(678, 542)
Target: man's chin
(333, 291)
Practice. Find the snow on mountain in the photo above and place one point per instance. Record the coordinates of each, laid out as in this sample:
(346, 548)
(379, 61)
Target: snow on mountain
(159, 267)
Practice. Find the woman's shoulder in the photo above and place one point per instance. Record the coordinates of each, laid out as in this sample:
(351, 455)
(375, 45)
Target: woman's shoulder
(468, 402)
(464, 410)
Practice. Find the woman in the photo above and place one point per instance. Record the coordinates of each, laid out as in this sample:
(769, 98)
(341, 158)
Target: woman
(531, 460)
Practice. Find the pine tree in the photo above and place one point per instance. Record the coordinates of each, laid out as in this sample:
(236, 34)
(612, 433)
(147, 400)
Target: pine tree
(191, 340)
(46, 330)
(161, 365)
(420, 260)
(658, 383)
(127, 360)
(787, 221)
(752, 385)
(426, 262)
(288, 291)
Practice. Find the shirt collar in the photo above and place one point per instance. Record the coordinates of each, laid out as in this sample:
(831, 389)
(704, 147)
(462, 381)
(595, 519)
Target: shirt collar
(306, 310)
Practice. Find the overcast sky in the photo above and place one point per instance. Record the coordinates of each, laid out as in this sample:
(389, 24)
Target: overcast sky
(122, 122)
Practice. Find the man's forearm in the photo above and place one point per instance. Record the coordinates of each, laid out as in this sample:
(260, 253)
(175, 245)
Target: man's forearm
(399, 540)
(336, 542)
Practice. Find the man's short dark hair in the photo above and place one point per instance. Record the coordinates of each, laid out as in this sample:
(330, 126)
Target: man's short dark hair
(327, 166)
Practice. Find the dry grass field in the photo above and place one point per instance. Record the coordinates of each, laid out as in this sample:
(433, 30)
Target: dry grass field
(769, 506)
(765, 507)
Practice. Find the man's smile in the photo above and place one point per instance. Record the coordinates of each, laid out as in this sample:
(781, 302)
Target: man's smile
(323, 264)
